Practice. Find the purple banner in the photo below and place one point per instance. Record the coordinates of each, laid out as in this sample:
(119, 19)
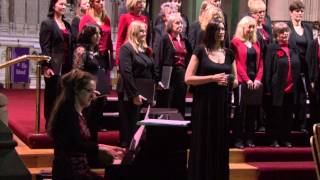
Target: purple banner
(20, 71)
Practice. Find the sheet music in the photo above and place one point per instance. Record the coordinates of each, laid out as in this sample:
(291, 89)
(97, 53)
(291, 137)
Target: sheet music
(166, 76)
(146, 88)
(163, 122)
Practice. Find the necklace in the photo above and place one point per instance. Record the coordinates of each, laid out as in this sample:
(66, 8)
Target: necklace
(216, 55)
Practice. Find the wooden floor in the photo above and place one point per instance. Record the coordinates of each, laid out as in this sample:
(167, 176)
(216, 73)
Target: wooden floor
(39, 160)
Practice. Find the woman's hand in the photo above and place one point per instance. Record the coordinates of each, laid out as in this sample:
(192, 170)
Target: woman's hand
(138, 100)
(220, 79)
(250, 85)
(48, 72)
(159, 86)
(114, 151)
(256, 84)
(235, 83)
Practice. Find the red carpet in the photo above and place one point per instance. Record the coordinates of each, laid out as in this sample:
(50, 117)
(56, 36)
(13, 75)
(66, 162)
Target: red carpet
(301, 170)
(21, 115)
(294, 163)
(262, 154)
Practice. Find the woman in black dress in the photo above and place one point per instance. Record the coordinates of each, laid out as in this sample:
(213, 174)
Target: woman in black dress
(208, 72)
(69, 131)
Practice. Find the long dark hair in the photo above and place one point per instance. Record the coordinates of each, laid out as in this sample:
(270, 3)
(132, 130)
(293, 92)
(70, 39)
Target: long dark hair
(210, 39)
(86, 34)
(51, 9)
(71, 83)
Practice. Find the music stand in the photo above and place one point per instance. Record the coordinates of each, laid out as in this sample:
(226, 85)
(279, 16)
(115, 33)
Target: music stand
(157, 152)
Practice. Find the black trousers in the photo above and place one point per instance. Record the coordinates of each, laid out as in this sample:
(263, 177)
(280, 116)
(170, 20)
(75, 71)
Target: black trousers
(280, 126)
(51, 93)
(129, 115)
(244, 124)
(175, 97)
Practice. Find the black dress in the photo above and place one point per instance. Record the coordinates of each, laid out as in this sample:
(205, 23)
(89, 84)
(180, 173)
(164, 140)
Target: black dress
(209, 154)
(71, 141)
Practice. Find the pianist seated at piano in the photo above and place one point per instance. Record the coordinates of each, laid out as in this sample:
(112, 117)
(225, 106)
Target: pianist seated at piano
(69, 131)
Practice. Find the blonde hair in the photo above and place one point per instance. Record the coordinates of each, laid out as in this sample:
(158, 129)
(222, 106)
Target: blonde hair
(256, 6)
(133, 31)
(246, 22)
(210, 13)
(91, 10)
(130, 4)
(203, 7)
(78, 9)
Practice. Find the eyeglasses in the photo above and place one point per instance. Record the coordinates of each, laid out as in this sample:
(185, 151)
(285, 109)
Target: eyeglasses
(259, 12)
(90, 91)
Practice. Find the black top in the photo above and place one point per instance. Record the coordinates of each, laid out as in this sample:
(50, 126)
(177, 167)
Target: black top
(71, 140)
(251, 63)
(208, 67)
(301, 42)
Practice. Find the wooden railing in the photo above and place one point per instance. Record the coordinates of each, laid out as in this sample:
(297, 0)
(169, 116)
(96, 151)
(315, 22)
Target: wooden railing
(38, 59)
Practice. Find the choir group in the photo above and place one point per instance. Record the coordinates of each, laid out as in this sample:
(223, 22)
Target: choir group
(270, 70)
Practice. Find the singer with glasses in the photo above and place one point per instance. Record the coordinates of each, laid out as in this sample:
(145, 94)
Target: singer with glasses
(207, 73)
(282, 81)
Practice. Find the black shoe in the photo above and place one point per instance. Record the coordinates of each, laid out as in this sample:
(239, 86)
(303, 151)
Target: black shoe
(239, 144)
(275, 144)
(249, 143)
(288, 144)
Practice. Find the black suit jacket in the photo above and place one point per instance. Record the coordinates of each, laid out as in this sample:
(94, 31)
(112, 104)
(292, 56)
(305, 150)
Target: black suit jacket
(132, 66)
(195, 34)
(165, 54)
(307, 29)
(52, 44)
(313, 61)
(277, 72)
(313, 65)
(292, 40)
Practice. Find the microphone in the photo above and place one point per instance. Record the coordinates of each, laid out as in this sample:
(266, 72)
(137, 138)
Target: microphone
(230, 80)
(307, 97)
(230, 100)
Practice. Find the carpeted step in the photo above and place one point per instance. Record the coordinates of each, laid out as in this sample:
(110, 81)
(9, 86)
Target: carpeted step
(269, 154)
(301, 170)
(297, 138)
